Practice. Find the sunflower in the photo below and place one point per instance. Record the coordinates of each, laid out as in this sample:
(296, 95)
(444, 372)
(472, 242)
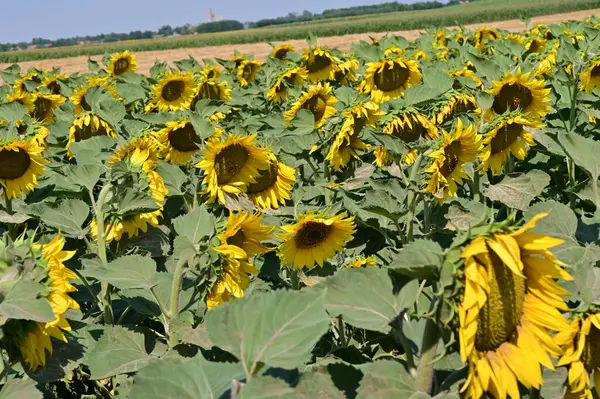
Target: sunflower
(295, 76)
(20, 86)
(23, 98)
(211, 71)
(243, 235)
(363, 262)
(467, 73)
(121, 63)
(21, 163)
(590, 78)
(347, 141)
(231, 164)
(318, 101)
(507, 136)
(420, 54)
(78, 96)
(320, 64)
(410, 127)
(51, 82)
(440, 39)
(510, 302)
(483, 36)
(179, 141)
(85, 127)
(141, 151)
(246, 72)
(535, 45)
(382, 156)
(446, 172)
(516, 37)
(34, 345)
(211, 89)
(315, 239)
(238, 59)
(281, 51)
(457, 103)
(346, 72)
(547, 61)
(542, 30)
(44, 106)
(387, 79)
(393, 50)
(174, 92)
(232, 282)
(580, 346)
(519, 91)
(273, 185)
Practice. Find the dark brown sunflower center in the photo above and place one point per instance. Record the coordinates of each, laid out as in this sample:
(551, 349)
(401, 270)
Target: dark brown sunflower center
(13, 164)
(267, 179)
(184, 139)
(512, 97)
(42, 108)
(391, 77)
(248, 72)
(505, 137)
(318, 63)
(84, 103)
(452, 160)
(595, 72)
(311, 234)
(339, 76)
(359, 124)
(229, 162)
(280, 54)
(211, 74)
(84, 132)
(409, 134)
(207, 91)
(121, 66)
(498, 319)
(54, 87)
(238, 239)
(591, 351)
(536, 46)
(317, 105)
(173, 90)
(291, 79)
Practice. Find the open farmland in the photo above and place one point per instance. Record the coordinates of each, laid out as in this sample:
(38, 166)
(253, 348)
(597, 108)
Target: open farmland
(408, 217)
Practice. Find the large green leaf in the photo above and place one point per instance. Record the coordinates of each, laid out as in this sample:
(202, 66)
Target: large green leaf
(278, 329)
(196, 225)
(105, 106)
(365, 298)
(585, 153)
(85, 175)
(266, 387)
(173, 176)
(12, 112)
(67, 216)
(26, 301)
(175, 377)
(419, 259)
(518, 192)
(118, 351)
(385, 379)
(126, 272)
(20, 389)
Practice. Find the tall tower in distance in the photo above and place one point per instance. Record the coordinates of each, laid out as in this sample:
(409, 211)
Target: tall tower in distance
(212, 17)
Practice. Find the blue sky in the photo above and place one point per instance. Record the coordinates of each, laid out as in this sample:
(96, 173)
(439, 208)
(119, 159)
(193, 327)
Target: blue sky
(66, 18)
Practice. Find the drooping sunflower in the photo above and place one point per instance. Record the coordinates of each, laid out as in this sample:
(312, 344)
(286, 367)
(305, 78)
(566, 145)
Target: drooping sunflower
(230, 164)
(243, 235)
(51, 82)
(247, 70)
(21, 164)
(456, 103)
(535, 45)
(295, 76)
(511, 301)
(440, 39)
(281, 51)
(314, 239)
(483, 36)
(318, 100)
(420, 54)
(211, 89)
(211, 71)
(410, 127)
(516, 37)
(179, 141)
(20, 86)
(547, 60)
(232, 282)
(141, 151)
(121, 63)
(44, 106)
(382, 156)
(387, 79)
(85, 127)
(446, 172)
(580, 346)
(238, 59)
(320, 64)
(369, 261)
(519, 91)
(465, 72)
(347, 141)
(507, 136)
(34, 345)
(590, 78)
(174, 92)
(78, 96)
(346, 72)
(23, 98)
(393, 50)
(273, 185)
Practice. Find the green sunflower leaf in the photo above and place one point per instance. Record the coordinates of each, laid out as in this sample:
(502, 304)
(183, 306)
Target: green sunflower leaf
(518, 192)
(365, 298)
(26, 301)
(196, 225)
(85, 175)
(386, 379)
(185, 378)
(126, 272)
(584, 152)
(21, 389)
(267, 387)
(419, 259)
(67, 215)
(12, 112)
(105, 106)
(279, 329)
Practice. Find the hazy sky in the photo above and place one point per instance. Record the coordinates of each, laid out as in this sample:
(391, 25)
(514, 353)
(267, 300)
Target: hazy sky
(24, 20)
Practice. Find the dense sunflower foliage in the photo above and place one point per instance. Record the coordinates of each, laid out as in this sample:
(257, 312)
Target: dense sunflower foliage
(409, 219)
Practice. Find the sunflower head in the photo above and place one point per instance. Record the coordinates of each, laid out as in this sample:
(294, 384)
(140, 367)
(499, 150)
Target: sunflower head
(51, 82)
(273, 185)
(314, 239)
(121, 63)
(211, 71)
(21, 164)
(590, 78)
(295, 76)
(320, 64)
(233, 280)
(179, 141)
(410, 127)
(78, 96)
(174, 92)
(363, 262)
(210, 89)
(457, 103)
(85, 127)
(141, 151)
(388, 79)
(20, 84)
(243, 235)
(318, 100)
(44, 106)
(346, 72)
(382, 156)
(281, 51)
(247, 70)
(510, 302)
(483, 36)
(23, 98)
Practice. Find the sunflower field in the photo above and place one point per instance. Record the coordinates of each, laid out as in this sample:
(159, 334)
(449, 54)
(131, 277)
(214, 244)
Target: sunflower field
(407, 220)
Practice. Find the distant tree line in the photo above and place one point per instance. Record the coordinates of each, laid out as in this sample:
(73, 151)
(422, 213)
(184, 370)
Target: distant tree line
(228, 25)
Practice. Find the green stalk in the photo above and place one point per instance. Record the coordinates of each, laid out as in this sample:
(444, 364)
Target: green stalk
(476, 187)
(9, 210)
(424, 380)
(295, 282)
(411, 199)
(400, 338)
(341, 330)
(175, 294)
(106, 288)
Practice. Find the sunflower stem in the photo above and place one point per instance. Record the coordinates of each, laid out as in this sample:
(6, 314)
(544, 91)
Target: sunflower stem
(424, 380)
(294, 281)
(9, 210)
(476, 187)
(175, 293)
(400, 338)
(341, 331)
(106, 288)
(534, 393)
(412, 198)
